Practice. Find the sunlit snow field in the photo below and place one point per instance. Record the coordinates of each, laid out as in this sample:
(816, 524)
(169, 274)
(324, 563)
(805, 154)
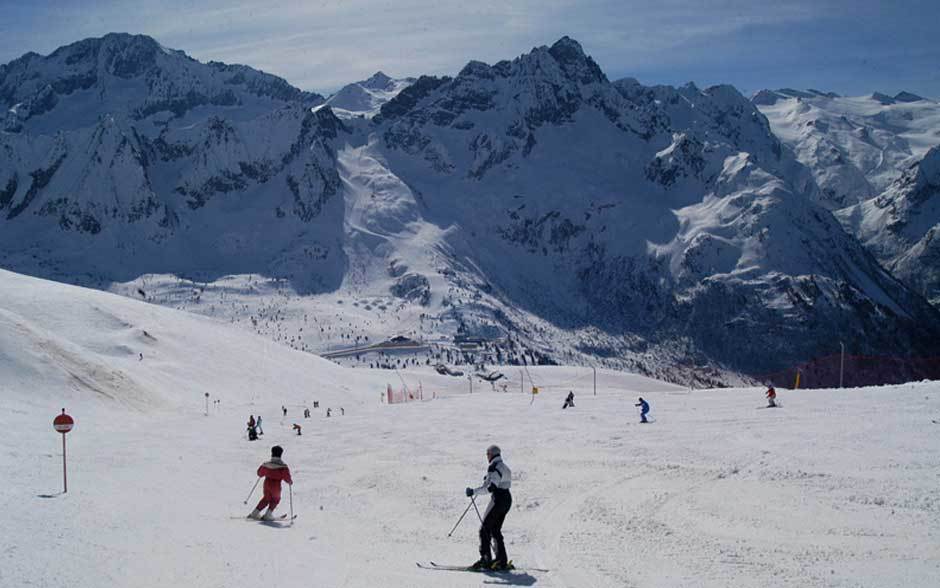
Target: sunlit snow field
(836, 488)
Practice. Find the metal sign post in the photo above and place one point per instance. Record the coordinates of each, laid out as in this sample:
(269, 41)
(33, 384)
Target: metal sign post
(63, 424)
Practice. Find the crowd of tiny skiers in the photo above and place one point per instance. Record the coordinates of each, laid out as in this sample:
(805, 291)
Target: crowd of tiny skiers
(496, 483)
(255, 429)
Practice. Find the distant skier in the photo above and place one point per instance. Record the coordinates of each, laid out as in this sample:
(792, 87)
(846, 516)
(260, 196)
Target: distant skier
(497, 481)
(284, 409)
(771, 397)
(252, 431)
(342, 411)
(644, 409)
(328, 412)
(296, 427)
(274, 472)
(569, 401)
(258, 425)
(141, 357)
(306, 413)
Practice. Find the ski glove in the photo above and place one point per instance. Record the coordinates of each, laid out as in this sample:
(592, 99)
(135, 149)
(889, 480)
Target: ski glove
(469, 492)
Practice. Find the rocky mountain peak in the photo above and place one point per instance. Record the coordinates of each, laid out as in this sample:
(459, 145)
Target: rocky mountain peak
(475, 69)
(120, 54)
(904, 96)
(930, 165)
(570, 55)
(922, 180)
(765, 98)
(378, 81)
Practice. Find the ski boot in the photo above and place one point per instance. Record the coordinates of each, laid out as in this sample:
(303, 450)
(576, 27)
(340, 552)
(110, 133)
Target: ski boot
(483, 563)
(268, 515)
(255, 514)
(501, 566)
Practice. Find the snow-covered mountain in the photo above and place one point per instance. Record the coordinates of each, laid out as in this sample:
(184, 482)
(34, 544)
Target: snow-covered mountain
(121, 157)
(674, 215)
(901, 226)
(532, 204)
(855, 146)
(365, 98)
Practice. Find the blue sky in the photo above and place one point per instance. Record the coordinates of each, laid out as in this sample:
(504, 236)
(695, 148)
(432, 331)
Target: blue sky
(848, 47)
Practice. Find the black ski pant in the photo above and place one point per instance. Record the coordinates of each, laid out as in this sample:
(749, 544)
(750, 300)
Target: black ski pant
(492, 527)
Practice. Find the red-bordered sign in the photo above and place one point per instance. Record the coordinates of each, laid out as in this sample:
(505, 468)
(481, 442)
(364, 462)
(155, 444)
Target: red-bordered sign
(63, 423)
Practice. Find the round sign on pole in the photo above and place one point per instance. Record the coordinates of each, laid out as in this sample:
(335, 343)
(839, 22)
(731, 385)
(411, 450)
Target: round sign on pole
(63, 423)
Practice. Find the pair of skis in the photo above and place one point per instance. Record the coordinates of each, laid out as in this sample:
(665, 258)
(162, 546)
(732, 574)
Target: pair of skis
(278, 518)
(445, 568)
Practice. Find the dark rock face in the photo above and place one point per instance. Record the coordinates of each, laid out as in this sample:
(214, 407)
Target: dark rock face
(412, 287)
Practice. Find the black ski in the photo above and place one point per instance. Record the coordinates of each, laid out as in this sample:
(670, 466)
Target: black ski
(446, 568)
(275, 519)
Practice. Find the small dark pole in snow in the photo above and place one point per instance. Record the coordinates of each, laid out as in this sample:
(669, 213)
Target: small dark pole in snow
(63, 424)
(470, 379)
(207, 404)
(595, 379)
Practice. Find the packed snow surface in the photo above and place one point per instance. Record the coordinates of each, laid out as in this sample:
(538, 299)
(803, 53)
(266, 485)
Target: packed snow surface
(836, 488)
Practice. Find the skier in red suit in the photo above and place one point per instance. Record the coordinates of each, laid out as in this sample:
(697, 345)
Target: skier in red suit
(771, 397)
(274, 472)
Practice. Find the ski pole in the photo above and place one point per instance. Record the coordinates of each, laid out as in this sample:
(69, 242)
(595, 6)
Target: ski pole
(252, 490)
(290, 489)
(461, 518)
(474, 503)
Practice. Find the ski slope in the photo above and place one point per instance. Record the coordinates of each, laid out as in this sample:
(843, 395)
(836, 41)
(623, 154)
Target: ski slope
(836, 488)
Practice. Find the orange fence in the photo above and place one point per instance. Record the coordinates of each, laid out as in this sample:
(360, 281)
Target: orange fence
(406, 395)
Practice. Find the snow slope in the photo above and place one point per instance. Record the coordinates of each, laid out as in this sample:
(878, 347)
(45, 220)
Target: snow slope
(365, 98)
(837, 488)
(855, 146)
(901, 226)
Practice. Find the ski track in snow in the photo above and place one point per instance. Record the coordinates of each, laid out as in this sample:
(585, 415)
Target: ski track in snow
(745, 501)
(839, 488)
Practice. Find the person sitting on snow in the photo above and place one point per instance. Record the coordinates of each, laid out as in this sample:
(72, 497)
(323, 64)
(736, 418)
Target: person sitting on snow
(274, 472)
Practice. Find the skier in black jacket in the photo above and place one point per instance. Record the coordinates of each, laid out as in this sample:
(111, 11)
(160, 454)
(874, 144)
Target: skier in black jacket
(497, 481)
(569, 400)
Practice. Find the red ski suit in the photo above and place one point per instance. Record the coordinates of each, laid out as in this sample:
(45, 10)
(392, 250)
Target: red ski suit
(274, 472)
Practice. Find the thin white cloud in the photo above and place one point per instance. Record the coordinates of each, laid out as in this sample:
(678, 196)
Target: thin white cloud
(323, 45)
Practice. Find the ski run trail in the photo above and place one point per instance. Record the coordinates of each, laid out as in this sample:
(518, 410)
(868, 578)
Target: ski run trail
(837, 488)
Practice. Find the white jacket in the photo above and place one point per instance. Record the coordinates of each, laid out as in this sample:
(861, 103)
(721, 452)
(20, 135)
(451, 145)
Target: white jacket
(498, 477)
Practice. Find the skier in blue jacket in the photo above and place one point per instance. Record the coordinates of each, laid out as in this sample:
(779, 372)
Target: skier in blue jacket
(644, 410)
